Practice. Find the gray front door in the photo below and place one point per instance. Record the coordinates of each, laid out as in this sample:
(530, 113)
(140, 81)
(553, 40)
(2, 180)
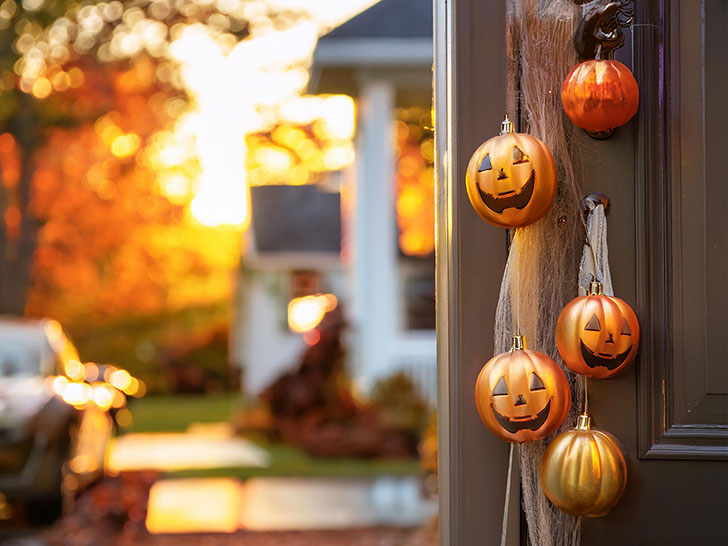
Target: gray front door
(667, 176)
(670, 224)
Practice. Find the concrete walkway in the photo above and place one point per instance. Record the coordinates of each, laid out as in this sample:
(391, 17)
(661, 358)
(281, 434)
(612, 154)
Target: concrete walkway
(334, 503)
(278, 504)
(204, 505)
(202, 446)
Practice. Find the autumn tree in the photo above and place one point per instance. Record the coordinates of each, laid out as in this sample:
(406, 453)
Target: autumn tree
(57, 64)
(23, 119)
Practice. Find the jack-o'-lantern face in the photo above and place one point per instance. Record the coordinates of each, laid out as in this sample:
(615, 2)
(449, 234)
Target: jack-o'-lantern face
(597, 335)
(501, 190)
(511, 179)
(522, 395)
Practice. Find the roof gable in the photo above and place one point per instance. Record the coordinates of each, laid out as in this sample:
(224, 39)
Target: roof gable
(389, 19)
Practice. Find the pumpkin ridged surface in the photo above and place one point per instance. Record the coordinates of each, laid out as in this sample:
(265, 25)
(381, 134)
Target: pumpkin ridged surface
(584, 472)
(600, 95)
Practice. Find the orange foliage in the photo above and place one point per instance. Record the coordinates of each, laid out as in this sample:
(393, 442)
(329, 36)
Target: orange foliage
(10, 176)
(109, 243)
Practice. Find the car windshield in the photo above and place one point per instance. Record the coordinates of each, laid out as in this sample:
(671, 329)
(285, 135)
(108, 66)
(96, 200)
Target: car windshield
(18, 359)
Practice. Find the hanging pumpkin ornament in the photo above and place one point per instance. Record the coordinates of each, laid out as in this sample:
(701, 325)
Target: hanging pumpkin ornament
(597, 335)
(511, 179)
(522, 395)
(583, 471)
(601, 94)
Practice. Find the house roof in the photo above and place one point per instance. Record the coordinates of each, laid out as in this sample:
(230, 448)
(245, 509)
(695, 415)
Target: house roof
(295, 225)
(389, 19)
(390, 34)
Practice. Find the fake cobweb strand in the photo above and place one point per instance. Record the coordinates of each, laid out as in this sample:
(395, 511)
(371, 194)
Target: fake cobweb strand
(595, 257)
(539, 37)
(506, 324)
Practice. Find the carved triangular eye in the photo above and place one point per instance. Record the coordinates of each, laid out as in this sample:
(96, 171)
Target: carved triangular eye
(593, 324)
(536, 383)
(485, 164)
(519, 156)
(626, 330)
(500, 388)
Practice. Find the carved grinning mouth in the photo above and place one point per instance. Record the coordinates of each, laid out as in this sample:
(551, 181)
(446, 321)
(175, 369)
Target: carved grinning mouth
(513, 425)
(611, 363)
(511, 199)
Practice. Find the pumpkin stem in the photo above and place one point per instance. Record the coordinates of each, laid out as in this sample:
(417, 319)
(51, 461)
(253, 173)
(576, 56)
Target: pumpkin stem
(519, 343)
(506, 126)
(584, 422)
(596, 288)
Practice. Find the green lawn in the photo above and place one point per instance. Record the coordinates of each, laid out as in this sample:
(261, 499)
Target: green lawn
(173, 413)
(291, 461)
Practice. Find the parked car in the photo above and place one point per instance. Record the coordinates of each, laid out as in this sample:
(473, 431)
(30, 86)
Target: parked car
(49, 447)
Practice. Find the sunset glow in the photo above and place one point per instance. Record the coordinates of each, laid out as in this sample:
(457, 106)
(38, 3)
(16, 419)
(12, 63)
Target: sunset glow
(237, 93)
(235, 87)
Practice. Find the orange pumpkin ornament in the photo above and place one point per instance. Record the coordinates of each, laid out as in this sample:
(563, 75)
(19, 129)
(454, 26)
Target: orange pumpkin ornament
(522, 395)
(511, 179)
(583, 471)
(597, 335)
(600, 95)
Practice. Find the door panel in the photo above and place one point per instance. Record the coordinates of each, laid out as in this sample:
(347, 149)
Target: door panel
(683, 229)
(470, 257)
(699, 215)
(673, 213)
(699, 220)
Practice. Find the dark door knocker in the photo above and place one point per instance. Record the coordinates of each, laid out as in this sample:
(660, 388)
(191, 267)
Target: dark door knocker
(600, 29)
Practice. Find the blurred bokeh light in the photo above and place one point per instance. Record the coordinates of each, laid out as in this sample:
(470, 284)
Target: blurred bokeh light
(144, 125)
(305, 313)
(227, 69)
(415, 181)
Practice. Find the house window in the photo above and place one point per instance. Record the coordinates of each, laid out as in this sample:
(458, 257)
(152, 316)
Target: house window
(415, 183)
(417, 276)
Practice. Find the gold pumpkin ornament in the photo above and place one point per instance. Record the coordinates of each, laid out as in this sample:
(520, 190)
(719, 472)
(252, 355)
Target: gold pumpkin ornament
(597, 335)
(511, 179)
(522, 395)
(583, 471)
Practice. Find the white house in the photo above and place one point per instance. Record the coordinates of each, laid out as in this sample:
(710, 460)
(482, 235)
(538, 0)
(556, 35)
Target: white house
(382, 58)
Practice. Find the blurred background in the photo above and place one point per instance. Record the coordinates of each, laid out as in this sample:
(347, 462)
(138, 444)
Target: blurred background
(217, 272)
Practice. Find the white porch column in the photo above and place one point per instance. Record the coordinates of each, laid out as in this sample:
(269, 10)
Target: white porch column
(375, 306)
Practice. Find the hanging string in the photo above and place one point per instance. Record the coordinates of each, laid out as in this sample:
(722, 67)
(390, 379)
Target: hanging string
(518, 280)
(594, 259)
(586, 396)
(576, 535)
(504, 528)
(588, 244)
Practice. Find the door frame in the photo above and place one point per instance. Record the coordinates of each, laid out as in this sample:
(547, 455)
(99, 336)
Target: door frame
(470, 260)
